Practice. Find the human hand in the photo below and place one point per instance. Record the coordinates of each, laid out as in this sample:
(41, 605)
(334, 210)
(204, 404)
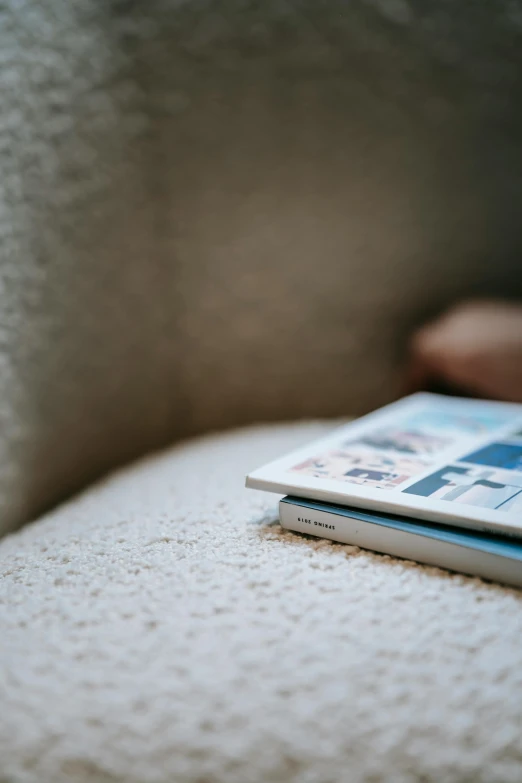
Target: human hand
(475, 347)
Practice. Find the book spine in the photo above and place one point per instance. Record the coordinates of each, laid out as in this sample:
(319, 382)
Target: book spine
(420, 548)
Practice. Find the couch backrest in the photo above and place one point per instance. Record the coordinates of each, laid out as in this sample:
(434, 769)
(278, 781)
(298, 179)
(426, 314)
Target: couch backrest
(213, 215)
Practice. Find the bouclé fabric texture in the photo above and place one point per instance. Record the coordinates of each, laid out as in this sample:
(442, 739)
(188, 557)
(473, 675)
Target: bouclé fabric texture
(213, 214)
(162, 627)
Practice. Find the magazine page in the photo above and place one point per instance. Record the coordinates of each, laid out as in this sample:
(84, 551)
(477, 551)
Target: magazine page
(428, 456)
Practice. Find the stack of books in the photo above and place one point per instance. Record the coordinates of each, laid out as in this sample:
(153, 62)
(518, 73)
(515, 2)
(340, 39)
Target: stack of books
(429, 478)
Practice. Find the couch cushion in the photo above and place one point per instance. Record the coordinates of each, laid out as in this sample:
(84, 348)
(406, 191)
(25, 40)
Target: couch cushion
(162, 627)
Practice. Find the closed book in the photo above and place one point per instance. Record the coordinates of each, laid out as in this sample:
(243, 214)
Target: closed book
(487, 555)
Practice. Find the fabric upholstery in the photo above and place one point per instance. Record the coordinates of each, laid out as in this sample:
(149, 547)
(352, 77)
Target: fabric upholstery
(162, 627)
(218, 213)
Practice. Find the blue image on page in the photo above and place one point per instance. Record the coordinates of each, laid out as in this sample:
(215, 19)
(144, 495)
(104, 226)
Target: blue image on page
(497, 455)
(475, 423)
(477, 486)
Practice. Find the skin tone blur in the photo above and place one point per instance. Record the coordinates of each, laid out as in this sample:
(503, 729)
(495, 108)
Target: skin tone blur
(475, 348)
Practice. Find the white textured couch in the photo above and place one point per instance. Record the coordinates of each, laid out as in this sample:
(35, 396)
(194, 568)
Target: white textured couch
(212, 216)
(161, 628)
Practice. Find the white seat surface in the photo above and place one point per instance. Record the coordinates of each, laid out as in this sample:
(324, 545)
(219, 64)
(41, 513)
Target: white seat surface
(162, 628)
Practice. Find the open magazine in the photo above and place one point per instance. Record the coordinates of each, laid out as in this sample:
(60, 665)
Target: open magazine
(430, 457)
